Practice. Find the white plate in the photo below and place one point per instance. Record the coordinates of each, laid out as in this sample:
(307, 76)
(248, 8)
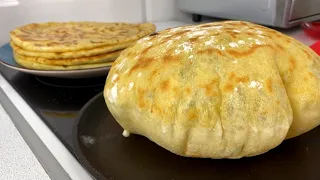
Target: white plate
(6, 58)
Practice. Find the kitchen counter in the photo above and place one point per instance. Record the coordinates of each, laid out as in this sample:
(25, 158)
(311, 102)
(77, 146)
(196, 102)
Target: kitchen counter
(17, 160)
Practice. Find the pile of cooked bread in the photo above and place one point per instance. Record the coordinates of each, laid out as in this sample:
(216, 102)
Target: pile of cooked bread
(73, 45)
(219, 90)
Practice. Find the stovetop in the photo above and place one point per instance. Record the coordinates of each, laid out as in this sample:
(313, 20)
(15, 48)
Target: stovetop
(56, 101)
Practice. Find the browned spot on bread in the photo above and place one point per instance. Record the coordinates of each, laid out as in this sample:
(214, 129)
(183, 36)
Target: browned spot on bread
(232, 33)
(228, 87)
(181, 33)
(153, 74)
(156, 109)
(311, 74)
(146, 50)
(142, 63)
(194, 39)
(293, 64)
(26, 38)
(243, 79)
(193, 114)
(52, 43)
(278, 102)
(202, 51)
(188, 90)
(209, 88)
(278, 35)
(33, 25)
(206, 25)
(269, 85)
(280, 47)
(264, 113)
(228, 29)
(24, 31)
(210, 51)
(288, 40)
(268, 30)
(209, 25)
(170, 58)
(234, 79)
(237, 23)
(160, 43)
(166, 39)
(242, 23)
(165, 85)
(265, 35)
(246, 53)
(218, 51)
(232, 76)
(250, 34)
(141, 100)
(305, 79)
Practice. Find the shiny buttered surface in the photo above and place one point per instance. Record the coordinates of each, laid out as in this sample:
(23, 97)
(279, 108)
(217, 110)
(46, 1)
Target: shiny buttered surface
(219, 90)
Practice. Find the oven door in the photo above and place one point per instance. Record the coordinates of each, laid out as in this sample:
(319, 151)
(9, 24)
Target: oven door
(301, 9)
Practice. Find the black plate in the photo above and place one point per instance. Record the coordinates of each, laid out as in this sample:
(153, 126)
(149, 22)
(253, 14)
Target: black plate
(106, 154)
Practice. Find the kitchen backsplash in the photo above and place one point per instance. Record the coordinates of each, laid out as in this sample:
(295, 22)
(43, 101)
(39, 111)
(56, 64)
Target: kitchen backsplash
(159, 10)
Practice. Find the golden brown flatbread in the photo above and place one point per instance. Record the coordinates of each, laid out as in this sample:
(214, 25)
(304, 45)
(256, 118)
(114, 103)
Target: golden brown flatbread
(75, 36)
(39, 66)
(227, 89)
(72, 54)
(76, 61)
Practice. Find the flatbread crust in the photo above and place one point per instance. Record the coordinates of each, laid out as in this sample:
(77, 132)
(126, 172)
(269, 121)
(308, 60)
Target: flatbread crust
(69, 62)
(39, 66)
(72, 54)
(74, 36)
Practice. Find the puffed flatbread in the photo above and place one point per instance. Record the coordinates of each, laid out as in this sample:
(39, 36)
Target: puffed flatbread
(227, 89)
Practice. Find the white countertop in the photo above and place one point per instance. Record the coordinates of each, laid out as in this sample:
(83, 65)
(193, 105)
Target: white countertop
(16, 158)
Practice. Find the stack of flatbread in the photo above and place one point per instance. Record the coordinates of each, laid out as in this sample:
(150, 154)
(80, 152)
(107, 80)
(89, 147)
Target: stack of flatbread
(73, 45)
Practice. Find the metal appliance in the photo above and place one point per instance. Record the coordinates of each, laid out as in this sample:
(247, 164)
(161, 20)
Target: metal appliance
(277, 13)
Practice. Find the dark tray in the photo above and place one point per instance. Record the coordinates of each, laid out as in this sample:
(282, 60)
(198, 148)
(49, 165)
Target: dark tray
(106, 154)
